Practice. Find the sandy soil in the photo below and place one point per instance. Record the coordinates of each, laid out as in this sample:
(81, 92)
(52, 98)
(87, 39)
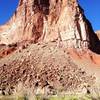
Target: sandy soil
(46, 66)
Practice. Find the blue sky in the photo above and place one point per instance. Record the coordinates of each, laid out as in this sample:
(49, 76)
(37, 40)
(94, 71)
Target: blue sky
(7, 8)
(92, 12)
(91, 9)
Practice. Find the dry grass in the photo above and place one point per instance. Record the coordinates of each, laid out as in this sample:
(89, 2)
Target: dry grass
(55, 97)
(22, 93)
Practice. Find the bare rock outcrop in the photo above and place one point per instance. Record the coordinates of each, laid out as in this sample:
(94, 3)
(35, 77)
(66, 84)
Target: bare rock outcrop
(48, 20)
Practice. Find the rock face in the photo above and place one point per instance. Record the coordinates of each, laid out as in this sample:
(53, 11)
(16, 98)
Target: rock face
(48, 20)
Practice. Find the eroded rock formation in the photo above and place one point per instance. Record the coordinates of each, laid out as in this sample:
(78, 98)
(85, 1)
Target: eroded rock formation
(48, 20)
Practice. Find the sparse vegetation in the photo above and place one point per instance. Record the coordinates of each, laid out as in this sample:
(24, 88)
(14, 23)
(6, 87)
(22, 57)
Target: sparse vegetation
(23, 93)
(55, 97)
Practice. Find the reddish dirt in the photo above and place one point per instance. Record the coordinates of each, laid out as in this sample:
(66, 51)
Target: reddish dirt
(96, 58)
(85, 55)
(7, 51)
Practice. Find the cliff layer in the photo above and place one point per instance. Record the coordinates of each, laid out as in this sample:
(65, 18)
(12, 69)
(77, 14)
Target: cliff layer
(49, 20)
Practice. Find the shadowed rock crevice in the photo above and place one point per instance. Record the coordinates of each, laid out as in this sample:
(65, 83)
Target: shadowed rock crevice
(93, 38)
(42, 5)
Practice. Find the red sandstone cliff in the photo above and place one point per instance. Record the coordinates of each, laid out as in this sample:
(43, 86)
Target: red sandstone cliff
(49, 20)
